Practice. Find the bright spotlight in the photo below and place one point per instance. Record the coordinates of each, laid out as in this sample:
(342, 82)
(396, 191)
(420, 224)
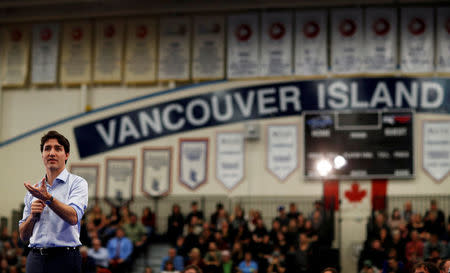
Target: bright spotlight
(323, 167)
(339, 162)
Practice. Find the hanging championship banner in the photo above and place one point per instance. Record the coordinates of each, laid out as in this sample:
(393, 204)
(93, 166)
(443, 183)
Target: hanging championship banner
(276, 44)
(282, 150)
(346, 41)
(443, 40)
(76, 53)
(243, 46)
(16, 41)
(90, 173)
(436, 149)
(140, 55)
(311, 53)
(174, 48)
(230, 158)
(381, 40)
(417, 48)
(193, 166)
(156, 171)
(209, 48)
(108, 51)
(44, 53)
(119, 179)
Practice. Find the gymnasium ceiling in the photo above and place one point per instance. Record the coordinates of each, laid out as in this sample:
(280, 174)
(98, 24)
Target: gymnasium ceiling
(39, 10)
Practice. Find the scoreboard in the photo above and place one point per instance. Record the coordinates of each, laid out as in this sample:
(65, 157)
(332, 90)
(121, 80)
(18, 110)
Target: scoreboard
(358, 145)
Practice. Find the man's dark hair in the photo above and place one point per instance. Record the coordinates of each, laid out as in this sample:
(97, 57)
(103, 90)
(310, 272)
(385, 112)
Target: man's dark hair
(430, 267)
(193, 266)
(329, 269)
(62, 140)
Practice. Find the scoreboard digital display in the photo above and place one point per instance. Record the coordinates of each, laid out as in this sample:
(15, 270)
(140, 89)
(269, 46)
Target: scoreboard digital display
(358, 145)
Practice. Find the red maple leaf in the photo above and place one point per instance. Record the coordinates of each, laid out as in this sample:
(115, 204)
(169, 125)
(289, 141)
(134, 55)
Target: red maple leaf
(355, 194)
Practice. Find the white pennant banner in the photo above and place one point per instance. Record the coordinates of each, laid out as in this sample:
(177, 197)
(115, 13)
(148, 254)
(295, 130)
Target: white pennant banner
(311, 43)
(16, 55)
(276, 44)
(174, 48)
(243, 46)
(346, 41)
(156, 171)
(417, 48)
(44, 53)
(209, 48)
(443, 40)
(436, 149)
(282, 150)
(230, 158)
(120, 174)
(381, 40)
(193, 162)
(140, 54)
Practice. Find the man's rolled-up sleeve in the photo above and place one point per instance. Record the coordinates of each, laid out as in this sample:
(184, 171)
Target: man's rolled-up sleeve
(78, 197)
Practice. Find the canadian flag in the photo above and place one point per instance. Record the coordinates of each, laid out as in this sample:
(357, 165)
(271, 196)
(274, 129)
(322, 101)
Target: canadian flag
(355, 196)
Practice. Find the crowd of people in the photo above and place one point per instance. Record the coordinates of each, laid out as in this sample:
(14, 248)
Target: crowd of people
(239, 241)
(396, 242)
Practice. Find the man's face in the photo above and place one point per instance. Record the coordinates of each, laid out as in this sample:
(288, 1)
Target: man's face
(54, 156)
(190, 270)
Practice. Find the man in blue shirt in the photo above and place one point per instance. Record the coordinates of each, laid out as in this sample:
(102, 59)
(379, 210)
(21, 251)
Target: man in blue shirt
(53, 210)
(119, 250)
(177, 260)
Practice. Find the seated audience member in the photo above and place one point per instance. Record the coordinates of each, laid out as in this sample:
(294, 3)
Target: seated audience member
(178, 261)
(195, 212)
(87, 262)
(227, 265)
(440, 218)
(414, 249)
(293, 212)
(148, 219)
(393, 266)
(432, 225)
(433, 244)
(99, 254)
(238, 218)
(119, 250)
(137, 233)
(282, 216)
(175, 224)
(248, 265)
(416, 223)
(212, 258)
(425, 267)
(396, 219)
(276, 265)
(195, 258)
(407, 211)
(169, 267)
(375, 253)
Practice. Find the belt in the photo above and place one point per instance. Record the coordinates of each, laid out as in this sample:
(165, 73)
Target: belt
(54, 250)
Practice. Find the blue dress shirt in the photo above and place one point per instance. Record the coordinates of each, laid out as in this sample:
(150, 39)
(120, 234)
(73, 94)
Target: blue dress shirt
(100, 256)
(178, 263)
(51, 230)
(125, 248)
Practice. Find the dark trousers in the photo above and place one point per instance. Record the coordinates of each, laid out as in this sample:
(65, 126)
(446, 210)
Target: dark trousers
(65, 261)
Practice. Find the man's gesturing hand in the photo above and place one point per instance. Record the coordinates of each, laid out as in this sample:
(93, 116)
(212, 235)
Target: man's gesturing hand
(38, 192)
